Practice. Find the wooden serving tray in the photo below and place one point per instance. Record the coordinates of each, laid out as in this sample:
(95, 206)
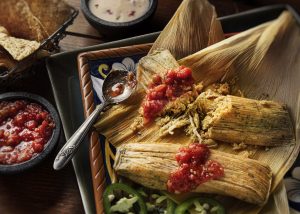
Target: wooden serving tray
(96, 65)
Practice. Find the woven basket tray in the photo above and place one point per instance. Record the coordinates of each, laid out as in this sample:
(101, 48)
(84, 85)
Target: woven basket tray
(28, 66)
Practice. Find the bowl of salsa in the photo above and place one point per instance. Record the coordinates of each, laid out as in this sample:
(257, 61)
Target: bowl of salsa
(118, 16)
(29, 130)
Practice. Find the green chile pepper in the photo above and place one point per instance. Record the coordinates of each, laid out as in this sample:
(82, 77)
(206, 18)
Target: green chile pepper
(170, 206)
(186, 205)
(125, 188)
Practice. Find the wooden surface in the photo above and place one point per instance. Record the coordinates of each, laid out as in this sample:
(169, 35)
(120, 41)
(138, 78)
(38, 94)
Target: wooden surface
(43, 190)
(81, 34)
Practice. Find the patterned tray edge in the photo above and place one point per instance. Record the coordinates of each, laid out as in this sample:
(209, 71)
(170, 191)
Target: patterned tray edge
(86, 88)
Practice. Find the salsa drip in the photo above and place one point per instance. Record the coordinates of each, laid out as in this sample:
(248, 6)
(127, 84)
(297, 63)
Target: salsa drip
(123, 86)
(163, 90)
(25, 128)
(194, 169)
(116, 90)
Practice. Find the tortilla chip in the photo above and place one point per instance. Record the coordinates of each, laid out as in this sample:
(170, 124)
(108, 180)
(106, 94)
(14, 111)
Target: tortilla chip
(18, 48)
(3, 30)
(17, 18)
(51, 13)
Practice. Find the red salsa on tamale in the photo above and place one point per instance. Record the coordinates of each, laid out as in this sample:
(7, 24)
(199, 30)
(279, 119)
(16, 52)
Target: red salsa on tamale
(194, 169)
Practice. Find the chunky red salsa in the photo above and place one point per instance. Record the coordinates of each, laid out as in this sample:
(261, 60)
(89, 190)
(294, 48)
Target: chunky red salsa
(165, 89)
(25, 128)
(194, 169)
(121, 87)
(117, 90)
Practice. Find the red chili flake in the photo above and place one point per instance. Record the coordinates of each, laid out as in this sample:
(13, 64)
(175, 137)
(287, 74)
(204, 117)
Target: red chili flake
(132, 13)
(194, 169)
(109, 12)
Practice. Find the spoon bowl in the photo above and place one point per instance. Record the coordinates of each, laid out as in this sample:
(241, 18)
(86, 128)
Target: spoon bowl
(117, 87)
(117, 78)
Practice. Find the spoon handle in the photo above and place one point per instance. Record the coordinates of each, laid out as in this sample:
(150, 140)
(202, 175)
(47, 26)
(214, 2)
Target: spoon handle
(71, 146)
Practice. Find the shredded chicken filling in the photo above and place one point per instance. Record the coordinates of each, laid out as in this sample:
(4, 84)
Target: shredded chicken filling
(189, 110)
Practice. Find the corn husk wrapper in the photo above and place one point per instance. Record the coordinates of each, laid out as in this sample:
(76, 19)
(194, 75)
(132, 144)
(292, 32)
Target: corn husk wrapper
(193, 27)
(263, 61)
(203, 29)
(180, 43)
(278, 202)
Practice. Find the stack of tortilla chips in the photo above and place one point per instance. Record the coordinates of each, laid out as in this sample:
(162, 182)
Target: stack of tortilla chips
(24, 24)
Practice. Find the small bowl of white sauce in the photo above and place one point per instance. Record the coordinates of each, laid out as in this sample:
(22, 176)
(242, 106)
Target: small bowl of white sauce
(115, 16)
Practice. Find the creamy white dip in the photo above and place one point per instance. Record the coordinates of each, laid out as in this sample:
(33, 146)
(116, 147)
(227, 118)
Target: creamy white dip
(119, 10)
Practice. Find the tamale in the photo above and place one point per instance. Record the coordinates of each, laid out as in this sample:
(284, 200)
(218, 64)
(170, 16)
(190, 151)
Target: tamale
(189, 110)
(248, 121)
(159, 62)
(205, 100)
(179, 105)
(151, 164)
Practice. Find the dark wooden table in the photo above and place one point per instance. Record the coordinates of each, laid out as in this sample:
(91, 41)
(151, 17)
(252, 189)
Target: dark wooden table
(43, 190)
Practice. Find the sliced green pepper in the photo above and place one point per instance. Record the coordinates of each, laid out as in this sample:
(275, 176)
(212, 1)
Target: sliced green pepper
(170, 206)
(184, 207)
(125, 188)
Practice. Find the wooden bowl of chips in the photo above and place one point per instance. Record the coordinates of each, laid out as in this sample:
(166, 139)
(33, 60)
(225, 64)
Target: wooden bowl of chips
(30, 30)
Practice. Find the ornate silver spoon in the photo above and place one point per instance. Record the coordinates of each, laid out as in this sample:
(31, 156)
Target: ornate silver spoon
(117, 87)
